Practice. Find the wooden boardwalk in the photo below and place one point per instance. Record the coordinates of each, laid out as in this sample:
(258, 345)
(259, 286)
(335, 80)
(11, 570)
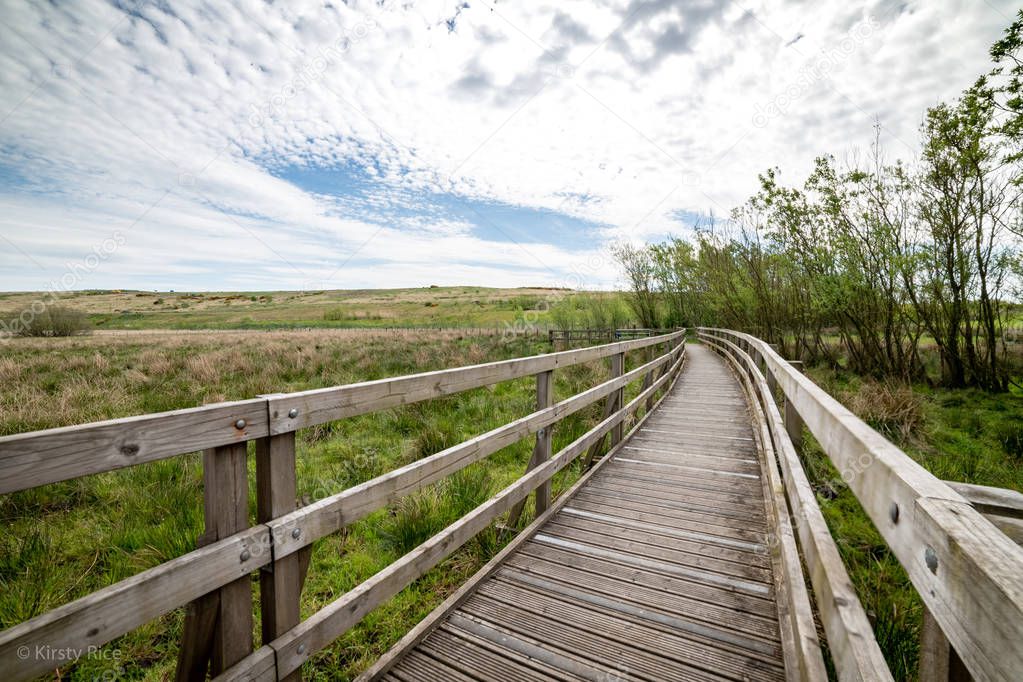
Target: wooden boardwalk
(657, 568)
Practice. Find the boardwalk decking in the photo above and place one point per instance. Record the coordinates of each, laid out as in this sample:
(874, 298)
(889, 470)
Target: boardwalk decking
(656, 569)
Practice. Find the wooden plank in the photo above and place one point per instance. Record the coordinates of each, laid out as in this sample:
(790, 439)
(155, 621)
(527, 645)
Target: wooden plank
(437, 616)
(990, 500)
(799, 631)
(37, 458)
(851, 640)
(321, 405)
(313, 634)
(280, 583)
(106, 614)
(981, 611)
(332, 513)
(541, 451)
(939, 661)
(227, 481)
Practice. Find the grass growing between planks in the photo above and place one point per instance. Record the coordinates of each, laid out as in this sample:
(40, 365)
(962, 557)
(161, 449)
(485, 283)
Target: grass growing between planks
(960, 435)
(66, 540)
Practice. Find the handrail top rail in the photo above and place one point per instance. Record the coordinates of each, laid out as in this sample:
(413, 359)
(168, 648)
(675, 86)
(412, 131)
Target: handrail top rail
(967, 571)
(35, 458)
(921, 481)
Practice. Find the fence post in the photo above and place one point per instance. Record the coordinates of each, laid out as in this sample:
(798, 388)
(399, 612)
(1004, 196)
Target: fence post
(542, 449)
(793, 422)
(617, 369)
(280, 583)
(938, 660)
(217, 632)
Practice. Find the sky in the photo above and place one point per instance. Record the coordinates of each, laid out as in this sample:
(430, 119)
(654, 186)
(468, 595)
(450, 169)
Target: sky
(251, 145)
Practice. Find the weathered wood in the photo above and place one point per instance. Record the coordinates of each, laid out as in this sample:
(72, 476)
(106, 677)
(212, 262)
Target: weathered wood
(617, 368)
(854, 649)
(938, 661)
(612, 402)
(541, 450)
(226, 479)
(798, 629)
(989, 500)
(968, 573)
(313, 634)
(106, 614)
(327, 404)
(333, 513)
(280, 583)
(37, 458)
(197, 631)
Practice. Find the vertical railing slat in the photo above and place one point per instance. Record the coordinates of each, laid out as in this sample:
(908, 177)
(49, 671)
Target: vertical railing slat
(280, 583)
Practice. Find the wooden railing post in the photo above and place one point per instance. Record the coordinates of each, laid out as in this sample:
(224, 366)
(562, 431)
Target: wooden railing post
(793, 422)
(617, 369)
(217, 631)
(938, 660)
(280, 583)
(542, 449)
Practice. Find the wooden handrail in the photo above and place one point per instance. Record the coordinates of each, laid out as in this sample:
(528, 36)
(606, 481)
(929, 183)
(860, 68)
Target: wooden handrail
(968, 573)
(851, 640)
(295, 647)
(36, 458)
(108, 613)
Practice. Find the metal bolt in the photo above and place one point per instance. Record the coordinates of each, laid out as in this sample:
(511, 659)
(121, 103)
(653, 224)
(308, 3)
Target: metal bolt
(931, 559)
(301, 648)
(240, 424)
(297, 533)
(893, 512)
(293, 412)
(246, 555)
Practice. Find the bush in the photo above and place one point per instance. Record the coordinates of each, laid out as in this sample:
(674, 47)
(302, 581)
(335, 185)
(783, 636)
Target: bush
(54, 320)
(889, 407)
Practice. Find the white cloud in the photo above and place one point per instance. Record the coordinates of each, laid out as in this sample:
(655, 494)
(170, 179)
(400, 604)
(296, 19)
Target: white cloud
(619, 112)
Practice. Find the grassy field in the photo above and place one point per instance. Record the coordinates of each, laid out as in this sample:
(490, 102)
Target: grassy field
(63, 541)
(960, 435)
(430, 307)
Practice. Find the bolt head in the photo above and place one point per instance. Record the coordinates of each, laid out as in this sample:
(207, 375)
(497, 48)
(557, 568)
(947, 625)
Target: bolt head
(246, 555)
(240, 424)
(297, 533)
(301, 648)
(893, 512)
(931, 559)
(293, 412)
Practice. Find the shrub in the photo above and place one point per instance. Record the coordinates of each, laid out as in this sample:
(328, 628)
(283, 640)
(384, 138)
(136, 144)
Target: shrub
(54, 320)
(890, 407)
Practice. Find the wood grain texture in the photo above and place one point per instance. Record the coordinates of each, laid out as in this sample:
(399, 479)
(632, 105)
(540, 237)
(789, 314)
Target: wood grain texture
(322, 405)
(596, 590)
(851, 640)
(975, 591)
(335, 512)
(36, 458)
